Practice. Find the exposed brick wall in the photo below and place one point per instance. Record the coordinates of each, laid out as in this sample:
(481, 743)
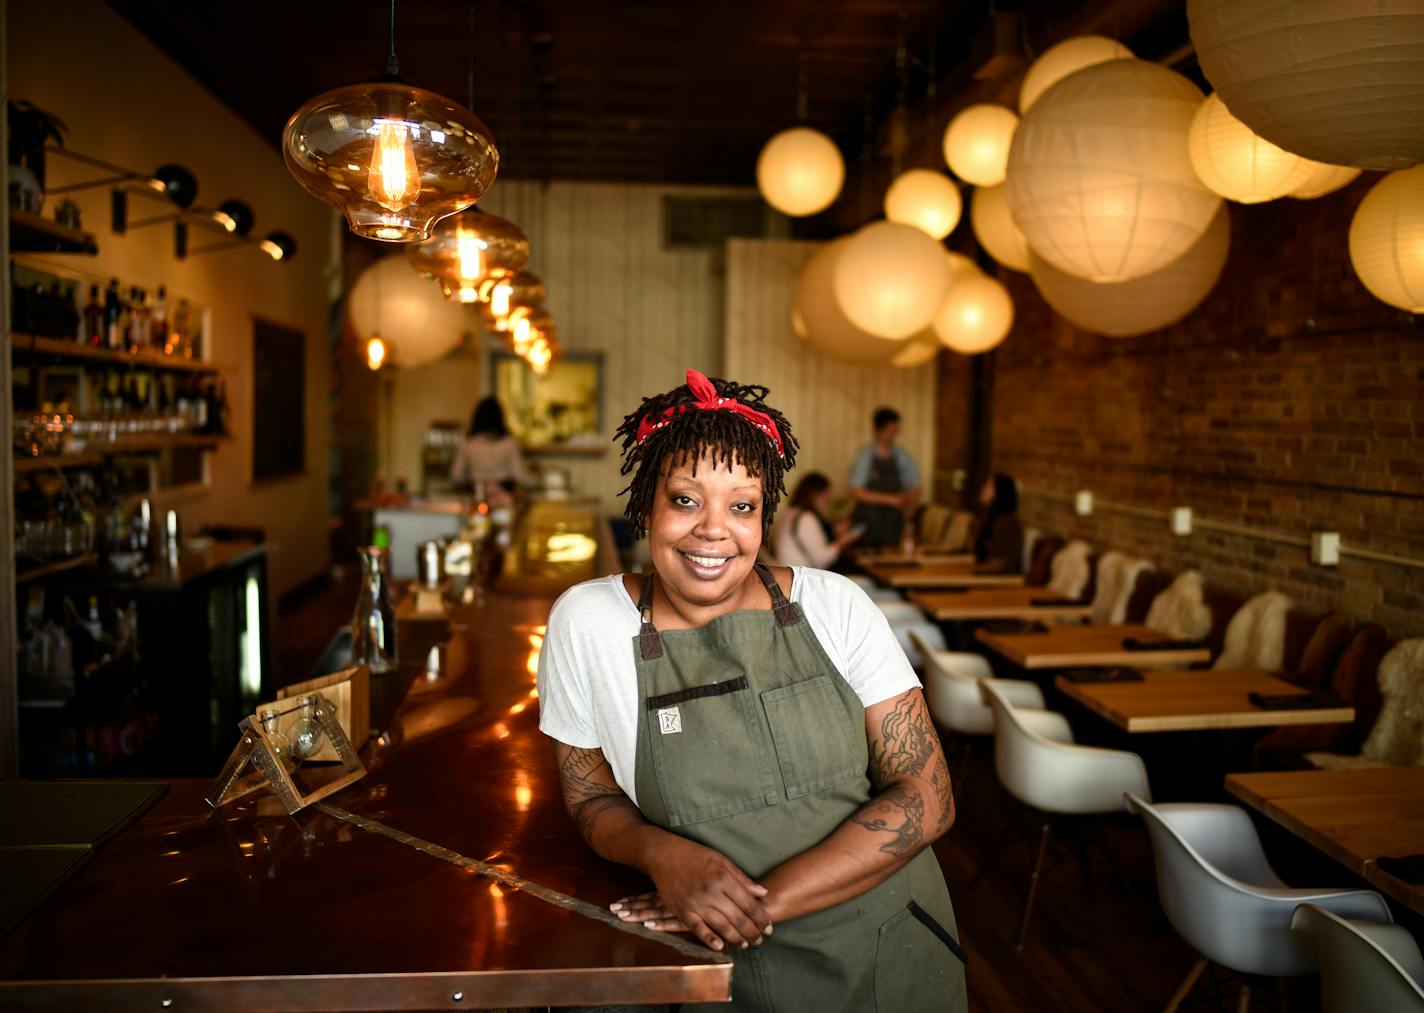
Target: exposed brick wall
(1290, 401)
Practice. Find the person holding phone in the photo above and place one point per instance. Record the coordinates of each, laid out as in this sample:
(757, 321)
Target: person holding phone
(806, 537)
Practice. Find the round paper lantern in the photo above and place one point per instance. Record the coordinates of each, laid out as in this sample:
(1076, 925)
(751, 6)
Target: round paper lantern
(800, 171)
(798, 326)
(926, 199)
(1067, 57)
(976, 143)
(1099, 177)
(1387, 240)
(1334, 81)
(920, 349)
(977, 314)
(1234, 162)
(995, 229)
(1125, 308)
(827, 329)
(1323, 179)
(890, 279)
(417, 323)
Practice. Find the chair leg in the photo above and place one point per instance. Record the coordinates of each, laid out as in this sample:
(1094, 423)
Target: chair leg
(1185, 988)
(991, 859)
(1033, 884)
(1243, 1003)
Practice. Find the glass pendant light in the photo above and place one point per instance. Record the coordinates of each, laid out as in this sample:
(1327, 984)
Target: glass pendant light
(393, 158)
(469, 254)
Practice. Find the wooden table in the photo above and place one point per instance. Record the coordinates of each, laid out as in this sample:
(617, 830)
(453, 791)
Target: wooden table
(1000, 603)
(1354, 816)
(1196, 701)
(1089, 647)
(927, 554)
(936, 574)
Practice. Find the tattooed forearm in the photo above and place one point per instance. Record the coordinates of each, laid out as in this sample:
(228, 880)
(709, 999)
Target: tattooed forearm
(907, 742)
(586, 796)
(900, 812)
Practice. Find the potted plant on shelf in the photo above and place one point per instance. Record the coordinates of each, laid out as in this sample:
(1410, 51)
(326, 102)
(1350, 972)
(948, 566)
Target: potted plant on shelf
(31, 128)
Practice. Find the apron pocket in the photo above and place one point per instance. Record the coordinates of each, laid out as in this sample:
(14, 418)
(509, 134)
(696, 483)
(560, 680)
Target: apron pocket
(913, 969)
(811, 730)
(696, 737)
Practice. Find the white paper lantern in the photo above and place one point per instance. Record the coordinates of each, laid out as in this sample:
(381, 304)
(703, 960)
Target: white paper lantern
(1067, 57)
(890, 279)
(920, 349)
(1149, 303)
(976, 143)
(417, 323)
(1387, 240)
(995, 229)
(1099, 177)
(827, 329)
(1323, 179)
(1236, 163)
(926, 199)
(798, 325)
(976, 316)
(800, 171)
(1338, 81)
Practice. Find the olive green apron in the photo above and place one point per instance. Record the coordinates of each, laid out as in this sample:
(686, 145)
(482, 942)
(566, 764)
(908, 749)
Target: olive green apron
(752, 743)
(883, 524)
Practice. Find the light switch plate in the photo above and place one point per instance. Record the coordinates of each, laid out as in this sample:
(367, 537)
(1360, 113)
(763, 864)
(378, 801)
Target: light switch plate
(1325, 548)
(1181, 520)
(1083, 503)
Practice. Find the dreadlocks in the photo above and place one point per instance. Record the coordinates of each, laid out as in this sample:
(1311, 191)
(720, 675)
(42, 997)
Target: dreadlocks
(687, 435)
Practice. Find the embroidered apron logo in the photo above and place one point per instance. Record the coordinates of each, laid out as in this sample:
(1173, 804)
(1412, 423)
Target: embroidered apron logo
(669, 720)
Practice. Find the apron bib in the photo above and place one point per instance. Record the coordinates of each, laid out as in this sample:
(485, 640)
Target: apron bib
(750, 742)
(883, 524)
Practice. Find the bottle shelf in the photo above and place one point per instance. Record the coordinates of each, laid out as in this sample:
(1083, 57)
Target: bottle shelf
(95, 454)
(49, 569)
(60, 348)
(31, 233)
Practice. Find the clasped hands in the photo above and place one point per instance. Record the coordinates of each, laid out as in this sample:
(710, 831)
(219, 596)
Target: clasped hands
(699, 890)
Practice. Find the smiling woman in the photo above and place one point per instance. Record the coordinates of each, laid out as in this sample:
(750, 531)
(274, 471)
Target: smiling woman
(751, 737)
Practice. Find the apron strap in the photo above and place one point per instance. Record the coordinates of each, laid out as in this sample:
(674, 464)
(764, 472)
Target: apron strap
(650, 642)
(786, 612)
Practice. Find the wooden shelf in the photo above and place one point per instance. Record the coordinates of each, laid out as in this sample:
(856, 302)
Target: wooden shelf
(95, 454)
(36, 234)
(49, 569)
(61, 348)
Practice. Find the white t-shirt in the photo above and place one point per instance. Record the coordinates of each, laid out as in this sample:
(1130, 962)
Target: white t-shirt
(588, 680)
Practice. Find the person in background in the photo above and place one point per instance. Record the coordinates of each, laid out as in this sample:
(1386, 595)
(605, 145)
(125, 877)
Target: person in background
(806, 538)
(998, 535)
(489, 454)
(884, 483)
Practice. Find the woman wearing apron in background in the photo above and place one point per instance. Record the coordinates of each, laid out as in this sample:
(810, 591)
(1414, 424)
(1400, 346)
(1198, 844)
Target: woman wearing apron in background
(751, 737)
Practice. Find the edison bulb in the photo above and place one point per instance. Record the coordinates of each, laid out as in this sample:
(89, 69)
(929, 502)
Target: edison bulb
(499, 297)
(375, 352)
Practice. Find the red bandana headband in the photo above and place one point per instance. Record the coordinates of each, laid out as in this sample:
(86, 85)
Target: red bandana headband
(708, 401)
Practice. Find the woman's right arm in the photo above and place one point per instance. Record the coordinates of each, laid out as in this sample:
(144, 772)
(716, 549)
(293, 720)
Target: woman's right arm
(717, 902)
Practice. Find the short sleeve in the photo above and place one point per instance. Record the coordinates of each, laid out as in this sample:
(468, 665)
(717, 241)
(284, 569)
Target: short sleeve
(565, 698)
(909, 472)
(860, 471)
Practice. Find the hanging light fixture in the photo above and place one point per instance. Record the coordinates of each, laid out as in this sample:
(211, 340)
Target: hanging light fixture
(976, 143)
(1065, 58)
(800, 170)
(417, 325)
(995, 229)
(828, 331)
(394, 159)
(466, 251)
(1234, 162)
(890, 279)
(976, 315)
(1387, 239)
(513, 298)
(375, 352)
(920, 349)
(926, 199)
(1323, 179)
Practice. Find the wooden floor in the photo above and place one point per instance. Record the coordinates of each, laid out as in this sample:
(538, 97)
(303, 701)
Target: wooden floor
(1089, 948)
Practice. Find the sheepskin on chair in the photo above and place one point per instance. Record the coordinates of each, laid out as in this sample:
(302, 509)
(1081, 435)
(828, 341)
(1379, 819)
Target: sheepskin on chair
(1117, 576)
(1181, 611)
(1070, 572)
(1397, 738)
(1031, 536)
(1256, 635)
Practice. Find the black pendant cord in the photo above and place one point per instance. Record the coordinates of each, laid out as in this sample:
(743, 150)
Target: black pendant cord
(470, 70)
(392, 65)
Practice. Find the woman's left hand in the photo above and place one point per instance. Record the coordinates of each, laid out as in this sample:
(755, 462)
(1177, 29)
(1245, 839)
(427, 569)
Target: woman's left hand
(649, 911)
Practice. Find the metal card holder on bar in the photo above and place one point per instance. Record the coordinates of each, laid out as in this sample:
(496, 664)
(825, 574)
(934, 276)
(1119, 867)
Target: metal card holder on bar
(275, 742)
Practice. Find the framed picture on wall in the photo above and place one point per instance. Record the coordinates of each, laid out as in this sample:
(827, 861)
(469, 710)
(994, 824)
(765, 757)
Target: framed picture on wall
(559, 411)
(279, 438)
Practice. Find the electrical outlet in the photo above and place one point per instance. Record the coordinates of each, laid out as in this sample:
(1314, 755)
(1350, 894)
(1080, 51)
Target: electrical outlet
(1083, 503)
(1181, 520)
(1325, 548)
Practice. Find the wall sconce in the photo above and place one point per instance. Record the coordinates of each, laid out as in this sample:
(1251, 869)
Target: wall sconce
(1181, 520)
(1083, 503)
(1325, 548)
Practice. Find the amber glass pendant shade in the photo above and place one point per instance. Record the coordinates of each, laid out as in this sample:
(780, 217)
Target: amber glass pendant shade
(468, 253)
(393, 158)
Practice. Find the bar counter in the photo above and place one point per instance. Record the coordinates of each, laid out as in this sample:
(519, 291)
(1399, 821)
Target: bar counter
(444, 879)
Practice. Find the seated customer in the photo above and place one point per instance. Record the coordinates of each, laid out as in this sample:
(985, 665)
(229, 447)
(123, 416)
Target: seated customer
(805, 537)
(998, 535)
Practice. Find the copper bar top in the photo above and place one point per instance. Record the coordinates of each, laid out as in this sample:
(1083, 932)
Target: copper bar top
(249, 909)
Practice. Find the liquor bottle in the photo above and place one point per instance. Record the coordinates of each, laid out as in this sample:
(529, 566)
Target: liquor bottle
(113, 316)
(183, 401)
(93, 333)
(181, 328)
(220, 409)
(160, 321)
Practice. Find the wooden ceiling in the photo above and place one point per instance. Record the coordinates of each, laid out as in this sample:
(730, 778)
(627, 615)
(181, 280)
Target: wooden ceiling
(630, 90)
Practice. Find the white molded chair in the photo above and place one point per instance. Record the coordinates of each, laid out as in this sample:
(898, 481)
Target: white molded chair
(1363, 965)
(905, 620)
(1222, 896)
(1039, 764)
(952, 688)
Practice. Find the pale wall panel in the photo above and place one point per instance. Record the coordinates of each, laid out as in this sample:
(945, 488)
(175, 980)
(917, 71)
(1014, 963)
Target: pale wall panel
(829, 403)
